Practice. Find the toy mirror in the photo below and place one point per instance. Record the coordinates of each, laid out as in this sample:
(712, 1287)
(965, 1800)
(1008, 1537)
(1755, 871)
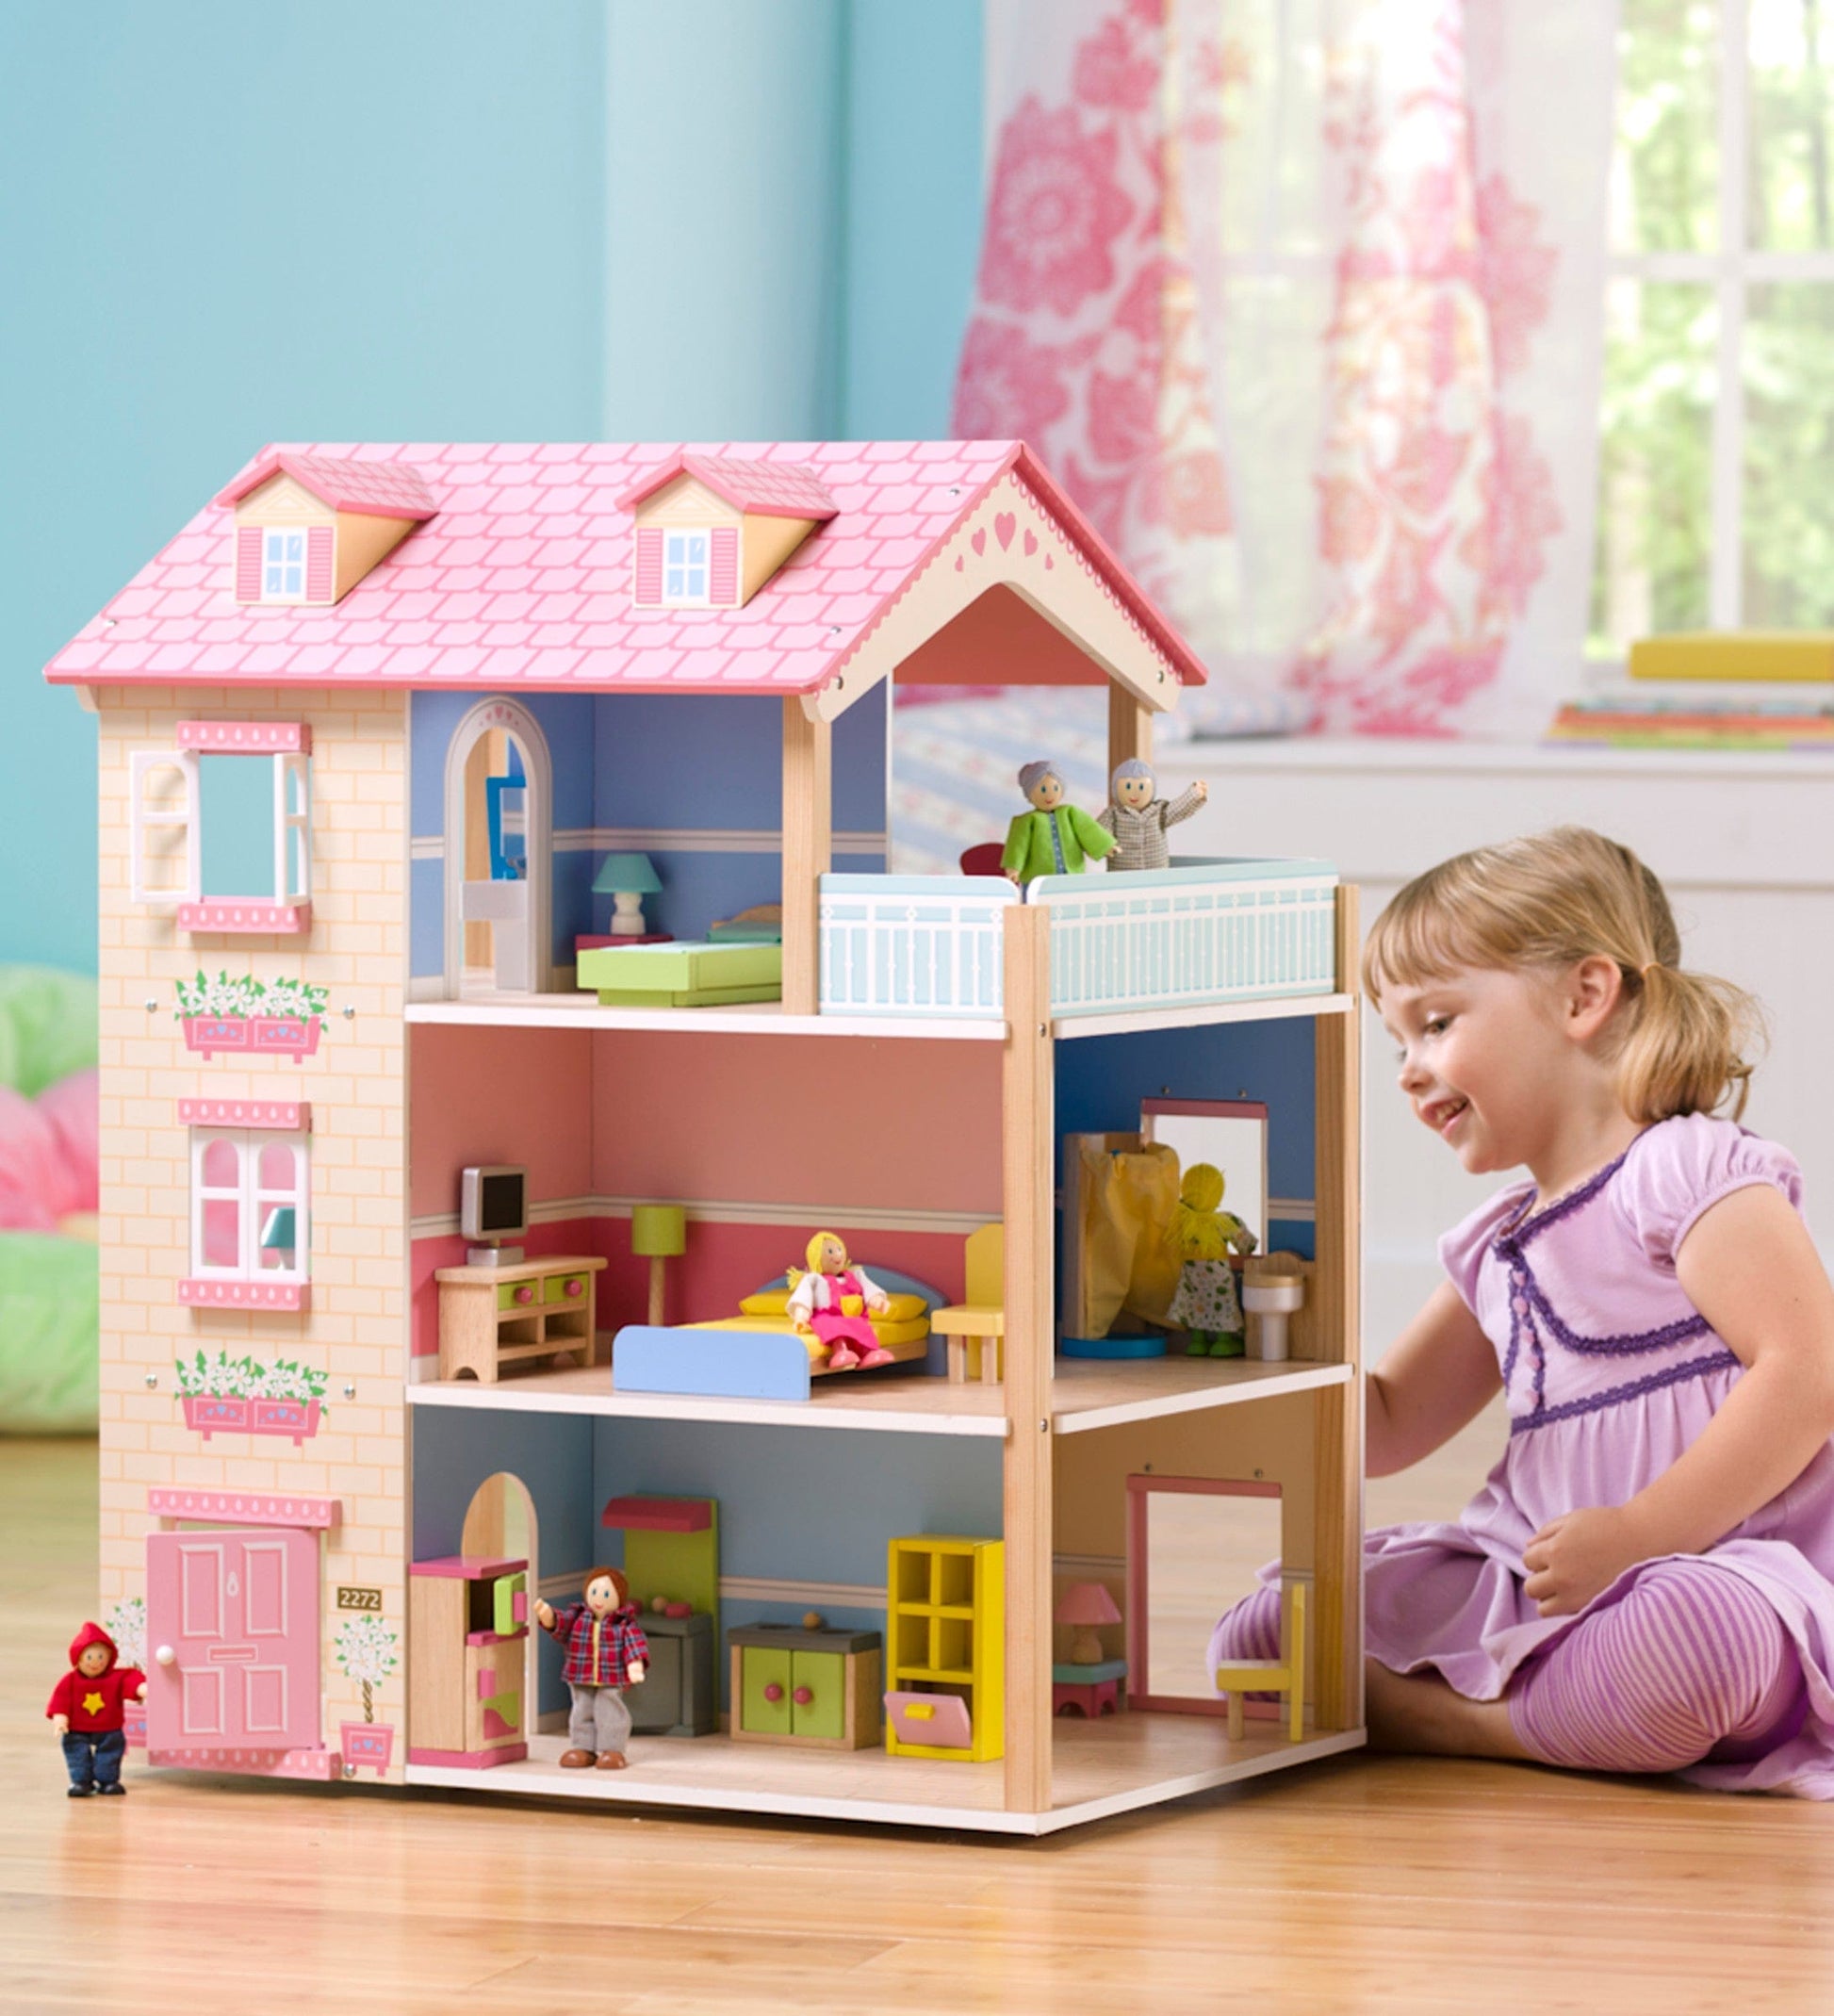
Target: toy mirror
(1195, 1545)
(1231, 1134)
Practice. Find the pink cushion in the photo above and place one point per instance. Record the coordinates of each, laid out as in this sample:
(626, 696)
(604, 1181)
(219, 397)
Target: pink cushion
(48, 1154)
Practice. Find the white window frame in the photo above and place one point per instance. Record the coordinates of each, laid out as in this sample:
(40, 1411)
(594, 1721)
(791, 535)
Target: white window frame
(275, 536)
(688, 565)
(287, 767)
(1731, 271)
(254, 1200)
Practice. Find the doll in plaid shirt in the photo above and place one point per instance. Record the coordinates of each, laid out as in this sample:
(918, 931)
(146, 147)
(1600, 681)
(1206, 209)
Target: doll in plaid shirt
(606, 1652)
(1137, 817)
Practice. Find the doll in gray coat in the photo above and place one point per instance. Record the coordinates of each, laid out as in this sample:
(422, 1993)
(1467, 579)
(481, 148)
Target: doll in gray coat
(1137, 817)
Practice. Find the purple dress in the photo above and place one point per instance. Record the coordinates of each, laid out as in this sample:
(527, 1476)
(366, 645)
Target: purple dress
(1610, 1374)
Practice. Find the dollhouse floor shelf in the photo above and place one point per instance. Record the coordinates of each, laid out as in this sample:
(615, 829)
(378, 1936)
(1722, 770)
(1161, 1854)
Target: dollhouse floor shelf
(1086, 1394)
(1111, 1766)
(768, 1018)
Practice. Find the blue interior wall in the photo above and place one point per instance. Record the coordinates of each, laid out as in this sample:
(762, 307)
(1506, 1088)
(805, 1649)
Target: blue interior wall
(658, 762)
(1102, 1079)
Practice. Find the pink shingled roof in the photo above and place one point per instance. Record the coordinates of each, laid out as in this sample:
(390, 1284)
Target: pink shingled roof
(380, 489)
(769, 489)
(524, 578)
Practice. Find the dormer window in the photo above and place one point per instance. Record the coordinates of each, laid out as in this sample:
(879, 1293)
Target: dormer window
(308, 527)
(283, 565)
(711, 530)
(684, 567)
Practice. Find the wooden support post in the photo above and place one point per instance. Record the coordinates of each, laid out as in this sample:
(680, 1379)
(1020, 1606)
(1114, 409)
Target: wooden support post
(1027, 1094)
(1130, 726)
(808, 851)
(1337, 1414)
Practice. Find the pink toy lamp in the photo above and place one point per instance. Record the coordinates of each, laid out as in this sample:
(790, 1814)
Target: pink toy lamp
(1086, 1605)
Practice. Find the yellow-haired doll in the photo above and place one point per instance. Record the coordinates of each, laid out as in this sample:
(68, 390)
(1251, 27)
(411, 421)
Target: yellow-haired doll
(1207, 1302)
(828, 1305)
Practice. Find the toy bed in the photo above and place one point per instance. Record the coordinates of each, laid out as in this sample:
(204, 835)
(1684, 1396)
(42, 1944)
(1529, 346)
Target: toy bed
(758, 1354)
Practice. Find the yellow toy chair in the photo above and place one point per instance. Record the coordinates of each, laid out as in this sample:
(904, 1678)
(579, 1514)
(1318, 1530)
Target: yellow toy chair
(973, 1329)
(1285, 1676)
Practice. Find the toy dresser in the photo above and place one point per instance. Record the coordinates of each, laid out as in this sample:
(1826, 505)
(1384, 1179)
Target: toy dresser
(468, 1617)
(816, 1687)
(490, 1317)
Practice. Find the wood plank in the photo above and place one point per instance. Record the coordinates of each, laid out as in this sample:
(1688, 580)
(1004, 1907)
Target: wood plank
(808, 851)
(1026, 1100)
(1338, 1412)
(1130, 728)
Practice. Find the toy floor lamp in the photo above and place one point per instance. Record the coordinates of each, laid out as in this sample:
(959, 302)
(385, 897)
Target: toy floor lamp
(659, 1232)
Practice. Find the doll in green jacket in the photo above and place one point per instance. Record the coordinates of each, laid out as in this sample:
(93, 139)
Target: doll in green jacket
(1054, 838)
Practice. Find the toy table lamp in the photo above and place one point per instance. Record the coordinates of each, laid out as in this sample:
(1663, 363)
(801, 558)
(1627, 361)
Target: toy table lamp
(279, 1236)
(1087, 1605)
(627, 879)
(659, 1232)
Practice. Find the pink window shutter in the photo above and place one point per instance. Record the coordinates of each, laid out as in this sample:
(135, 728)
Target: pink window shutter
(723, 582)
(317, 564)
(649, 568)
(247, 563)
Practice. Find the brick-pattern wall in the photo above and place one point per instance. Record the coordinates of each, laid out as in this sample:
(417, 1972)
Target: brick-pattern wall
(356, 1329)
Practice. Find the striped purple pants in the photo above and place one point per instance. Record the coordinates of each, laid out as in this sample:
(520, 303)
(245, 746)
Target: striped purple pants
(1689, 1663)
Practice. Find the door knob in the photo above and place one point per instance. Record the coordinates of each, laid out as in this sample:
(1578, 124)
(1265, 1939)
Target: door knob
(164, 1656)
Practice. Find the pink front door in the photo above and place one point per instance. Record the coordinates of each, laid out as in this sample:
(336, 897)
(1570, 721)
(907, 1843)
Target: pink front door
(237, 1611)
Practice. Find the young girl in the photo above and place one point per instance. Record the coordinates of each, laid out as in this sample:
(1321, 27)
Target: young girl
(1642, 1584)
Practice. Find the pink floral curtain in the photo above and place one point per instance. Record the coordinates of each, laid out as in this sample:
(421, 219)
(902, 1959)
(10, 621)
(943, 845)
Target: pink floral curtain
(1304, 303)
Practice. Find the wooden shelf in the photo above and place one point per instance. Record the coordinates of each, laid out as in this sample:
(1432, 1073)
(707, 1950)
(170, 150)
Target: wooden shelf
(1086, 1394)
(1098, 1768)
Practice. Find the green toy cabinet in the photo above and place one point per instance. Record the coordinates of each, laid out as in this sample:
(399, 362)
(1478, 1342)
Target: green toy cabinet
(794, 1685)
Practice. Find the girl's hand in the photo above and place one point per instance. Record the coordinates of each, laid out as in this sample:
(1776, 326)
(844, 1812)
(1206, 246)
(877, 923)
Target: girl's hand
(1578, 1556)
(544, 1615)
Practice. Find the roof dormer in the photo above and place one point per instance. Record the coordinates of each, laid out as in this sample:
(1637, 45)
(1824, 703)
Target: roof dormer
(308, 527)
(711, 530)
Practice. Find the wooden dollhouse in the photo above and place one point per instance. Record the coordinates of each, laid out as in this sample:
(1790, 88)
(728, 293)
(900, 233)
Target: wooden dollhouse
(373, 726)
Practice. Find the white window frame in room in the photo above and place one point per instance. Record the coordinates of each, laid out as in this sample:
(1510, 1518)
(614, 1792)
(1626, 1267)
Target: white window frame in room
(253, 1198)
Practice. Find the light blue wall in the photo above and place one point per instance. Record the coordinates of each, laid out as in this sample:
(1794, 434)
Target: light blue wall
(577, 220)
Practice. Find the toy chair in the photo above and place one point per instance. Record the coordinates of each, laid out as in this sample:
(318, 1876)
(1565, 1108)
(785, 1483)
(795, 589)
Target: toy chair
(1285, 1676)
(983, 858)
(982, 1318)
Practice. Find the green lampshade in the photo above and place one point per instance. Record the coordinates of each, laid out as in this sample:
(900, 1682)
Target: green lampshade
(277, 1233)
(627, 874)
(659, 1231)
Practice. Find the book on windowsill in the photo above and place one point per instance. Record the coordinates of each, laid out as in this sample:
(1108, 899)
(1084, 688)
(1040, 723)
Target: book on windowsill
(1682, 718)
(1794, 658)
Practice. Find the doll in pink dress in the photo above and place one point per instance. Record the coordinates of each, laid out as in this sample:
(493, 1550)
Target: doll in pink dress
(1643, 1582)
(829, 1307)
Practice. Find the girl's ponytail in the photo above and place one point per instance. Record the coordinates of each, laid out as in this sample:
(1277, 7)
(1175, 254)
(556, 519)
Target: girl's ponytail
(1685, 1043)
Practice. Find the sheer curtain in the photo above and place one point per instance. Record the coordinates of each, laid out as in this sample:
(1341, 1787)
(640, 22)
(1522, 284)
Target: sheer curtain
(1303, 301)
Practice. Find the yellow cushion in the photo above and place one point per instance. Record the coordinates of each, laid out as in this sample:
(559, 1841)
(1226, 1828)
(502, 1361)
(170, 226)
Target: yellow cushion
(767, 1302)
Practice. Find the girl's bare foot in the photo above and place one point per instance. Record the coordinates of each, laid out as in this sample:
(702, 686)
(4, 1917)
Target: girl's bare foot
(1418, 1713)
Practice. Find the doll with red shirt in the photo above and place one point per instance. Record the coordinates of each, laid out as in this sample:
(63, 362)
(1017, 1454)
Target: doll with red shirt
(88, 1708)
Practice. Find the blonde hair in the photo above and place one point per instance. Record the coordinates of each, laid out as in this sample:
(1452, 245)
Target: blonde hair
(1679, 1040)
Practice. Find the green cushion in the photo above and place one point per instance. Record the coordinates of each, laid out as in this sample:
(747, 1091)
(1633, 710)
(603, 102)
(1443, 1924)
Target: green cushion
(49, 1289)
(47, 1026)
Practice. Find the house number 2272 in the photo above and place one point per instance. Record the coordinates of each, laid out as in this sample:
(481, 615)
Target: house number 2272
(359, 1598)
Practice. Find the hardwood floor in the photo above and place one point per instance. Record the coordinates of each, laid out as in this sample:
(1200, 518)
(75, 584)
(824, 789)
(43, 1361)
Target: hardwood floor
(1365, 1884)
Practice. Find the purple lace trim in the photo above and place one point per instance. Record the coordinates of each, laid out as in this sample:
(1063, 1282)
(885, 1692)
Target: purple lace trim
(1530, 1313)
(1719, 1361)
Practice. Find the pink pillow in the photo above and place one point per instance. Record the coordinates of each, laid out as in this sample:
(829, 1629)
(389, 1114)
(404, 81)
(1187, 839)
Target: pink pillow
(48, 1154)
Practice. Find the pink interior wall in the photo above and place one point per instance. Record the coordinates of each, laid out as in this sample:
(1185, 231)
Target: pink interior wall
(889, 1126)
(780, 1120)
(721, 1264)
(498, 1095)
